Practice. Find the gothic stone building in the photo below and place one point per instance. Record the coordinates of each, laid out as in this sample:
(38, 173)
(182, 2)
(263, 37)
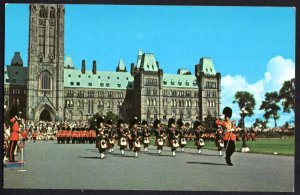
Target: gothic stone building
(51, 88)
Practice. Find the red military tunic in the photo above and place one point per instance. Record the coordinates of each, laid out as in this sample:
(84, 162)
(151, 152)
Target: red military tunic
(14, 135)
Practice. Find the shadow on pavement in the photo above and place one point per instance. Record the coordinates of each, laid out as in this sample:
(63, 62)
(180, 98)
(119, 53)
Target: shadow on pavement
(89, 157)
(156, 154)
(206, 163)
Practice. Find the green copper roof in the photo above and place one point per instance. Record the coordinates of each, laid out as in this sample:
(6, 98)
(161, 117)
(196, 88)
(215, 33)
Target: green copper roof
(100, 80)
(121, 66)
(17, 75)
(146, 61)
(207, 66)
(179, 81)
(183, 71)
(68, 62)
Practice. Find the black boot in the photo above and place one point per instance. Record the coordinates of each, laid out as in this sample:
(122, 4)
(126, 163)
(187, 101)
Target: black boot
(228, 161)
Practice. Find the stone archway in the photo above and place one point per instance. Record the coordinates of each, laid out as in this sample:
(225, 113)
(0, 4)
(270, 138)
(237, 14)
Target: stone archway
(45, 112)
(45, 115)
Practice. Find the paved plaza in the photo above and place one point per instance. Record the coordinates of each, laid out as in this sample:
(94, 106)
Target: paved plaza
(78, 166)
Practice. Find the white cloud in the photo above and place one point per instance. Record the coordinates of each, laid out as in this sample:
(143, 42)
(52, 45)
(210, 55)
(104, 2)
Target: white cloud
(278, 70)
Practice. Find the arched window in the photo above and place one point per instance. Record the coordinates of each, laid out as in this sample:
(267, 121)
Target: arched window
(148, 102)
(42, 12)
(45, 81)
(154, 102)
(52, 13)
(148, 114)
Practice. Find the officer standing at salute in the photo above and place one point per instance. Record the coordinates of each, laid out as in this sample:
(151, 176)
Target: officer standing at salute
(14, 138)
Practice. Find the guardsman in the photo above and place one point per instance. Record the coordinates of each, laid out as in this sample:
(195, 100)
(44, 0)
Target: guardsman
(14, 138)
(58, 136)
(229, 134)
(68, 135)
(24, 136)
(198, 132)
(34, 136)
(173, 136)
(145, 135)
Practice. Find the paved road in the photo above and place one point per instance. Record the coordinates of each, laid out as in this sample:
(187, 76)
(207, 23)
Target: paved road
(53, 166)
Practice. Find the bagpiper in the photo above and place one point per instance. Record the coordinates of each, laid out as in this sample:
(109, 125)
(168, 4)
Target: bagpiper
(182, 134)
(173, 136)
(229, 134)
(122, 135)
(219, 140)
(111, 135)
(159, 135)
(145, 135)
(102, 138)
(135, 136)
(198, 132)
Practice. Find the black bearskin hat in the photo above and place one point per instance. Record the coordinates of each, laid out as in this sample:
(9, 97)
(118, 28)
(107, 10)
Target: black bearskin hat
(179, 123)
(144, 122)
(120, 121)
(227, 111)
(99, 120)
(155, 123)
(171, 121)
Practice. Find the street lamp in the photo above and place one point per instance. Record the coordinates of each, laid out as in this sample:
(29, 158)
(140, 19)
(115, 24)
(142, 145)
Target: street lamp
(243, 114)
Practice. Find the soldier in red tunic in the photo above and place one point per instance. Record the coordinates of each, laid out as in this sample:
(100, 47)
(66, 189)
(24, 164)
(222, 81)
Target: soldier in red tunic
(14, 138)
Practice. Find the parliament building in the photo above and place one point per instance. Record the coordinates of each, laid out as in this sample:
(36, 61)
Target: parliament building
(51, 88)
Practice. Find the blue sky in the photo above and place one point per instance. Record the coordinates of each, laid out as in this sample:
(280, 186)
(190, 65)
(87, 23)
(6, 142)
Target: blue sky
(243, 42)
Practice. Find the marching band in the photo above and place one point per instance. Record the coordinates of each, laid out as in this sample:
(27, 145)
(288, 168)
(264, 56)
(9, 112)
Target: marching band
(137, 135)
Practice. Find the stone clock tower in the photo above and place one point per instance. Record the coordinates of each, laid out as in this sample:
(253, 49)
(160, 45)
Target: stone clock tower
(45, 83)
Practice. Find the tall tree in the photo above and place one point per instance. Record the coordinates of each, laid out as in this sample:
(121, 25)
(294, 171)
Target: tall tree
(287, 95)
(269, 105)
(245, 100)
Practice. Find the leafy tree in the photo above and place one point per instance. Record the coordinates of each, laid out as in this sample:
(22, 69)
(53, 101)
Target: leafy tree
(259, 122)
(209, 122)
(245, 100)
(269, 105)
(112, 116)
(287, 95)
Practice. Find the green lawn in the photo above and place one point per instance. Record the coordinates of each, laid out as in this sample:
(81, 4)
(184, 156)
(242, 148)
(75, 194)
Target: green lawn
(262, 145)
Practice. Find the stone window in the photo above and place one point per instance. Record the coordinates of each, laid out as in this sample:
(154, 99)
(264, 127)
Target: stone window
(52, 13)
(45, 81)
